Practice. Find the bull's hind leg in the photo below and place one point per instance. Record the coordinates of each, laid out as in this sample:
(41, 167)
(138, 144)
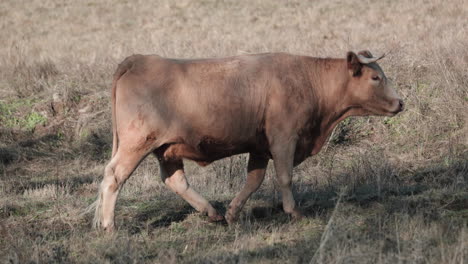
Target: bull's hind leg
(172, 174)
(255, 174)
(116, 173)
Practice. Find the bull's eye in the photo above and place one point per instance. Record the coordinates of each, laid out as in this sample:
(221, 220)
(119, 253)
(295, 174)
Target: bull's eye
(375, 78)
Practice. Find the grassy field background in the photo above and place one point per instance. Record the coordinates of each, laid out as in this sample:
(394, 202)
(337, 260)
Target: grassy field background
(384, 190)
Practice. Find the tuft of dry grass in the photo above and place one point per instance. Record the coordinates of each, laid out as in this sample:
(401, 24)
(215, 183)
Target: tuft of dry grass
(405, 178)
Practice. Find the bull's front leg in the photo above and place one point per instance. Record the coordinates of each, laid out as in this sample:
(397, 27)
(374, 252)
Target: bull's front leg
(283, 158)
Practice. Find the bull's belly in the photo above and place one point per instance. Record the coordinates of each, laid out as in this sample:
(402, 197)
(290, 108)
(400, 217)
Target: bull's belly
(207, 150)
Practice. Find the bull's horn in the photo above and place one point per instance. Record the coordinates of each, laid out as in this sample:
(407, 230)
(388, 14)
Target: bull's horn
(364, 60)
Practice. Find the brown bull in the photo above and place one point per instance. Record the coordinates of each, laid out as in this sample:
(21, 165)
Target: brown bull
(273, 106)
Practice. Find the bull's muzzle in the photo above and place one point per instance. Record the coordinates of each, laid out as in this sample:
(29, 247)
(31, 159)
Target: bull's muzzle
(401, 105)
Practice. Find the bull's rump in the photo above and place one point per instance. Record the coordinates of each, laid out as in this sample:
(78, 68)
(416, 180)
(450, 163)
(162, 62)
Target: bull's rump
(202, 110)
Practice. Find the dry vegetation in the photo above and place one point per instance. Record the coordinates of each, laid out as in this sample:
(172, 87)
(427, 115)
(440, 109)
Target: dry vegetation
(384, 190)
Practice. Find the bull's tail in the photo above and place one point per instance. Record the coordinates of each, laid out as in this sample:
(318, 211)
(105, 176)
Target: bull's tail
(114, 125)
(121, 70)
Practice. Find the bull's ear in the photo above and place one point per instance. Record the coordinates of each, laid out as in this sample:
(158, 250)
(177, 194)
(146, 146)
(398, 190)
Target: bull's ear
(353, 63)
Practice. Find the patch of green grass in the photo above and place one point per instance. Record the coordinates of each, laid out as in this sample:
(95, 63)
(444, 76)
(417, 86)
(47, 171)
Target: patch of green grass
(10, 108)
(32, 120)
(19, 114)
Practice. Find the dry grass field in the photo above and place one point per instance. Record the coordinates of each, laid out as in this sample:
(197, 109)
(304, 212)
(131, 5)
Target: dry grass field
(384, 190)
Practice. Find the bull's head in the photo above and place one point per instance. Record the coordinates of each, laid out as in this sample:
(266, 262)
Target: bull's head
(368, 86)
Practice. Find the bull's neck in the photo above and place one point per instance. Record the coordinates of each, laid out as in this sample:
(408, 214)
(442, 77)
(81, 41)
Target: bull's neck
(329, 78)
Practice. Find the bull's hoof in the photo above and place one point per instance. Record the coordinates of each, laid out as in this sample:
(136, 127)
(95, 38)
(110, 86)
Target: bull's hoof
(109, 229)
(231, 219)
(219, 219)
(297, 215)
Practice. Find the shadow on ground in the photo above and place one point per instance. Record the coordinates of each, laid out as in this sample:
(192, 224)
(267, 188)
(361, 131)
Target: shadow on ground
(396, 196)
